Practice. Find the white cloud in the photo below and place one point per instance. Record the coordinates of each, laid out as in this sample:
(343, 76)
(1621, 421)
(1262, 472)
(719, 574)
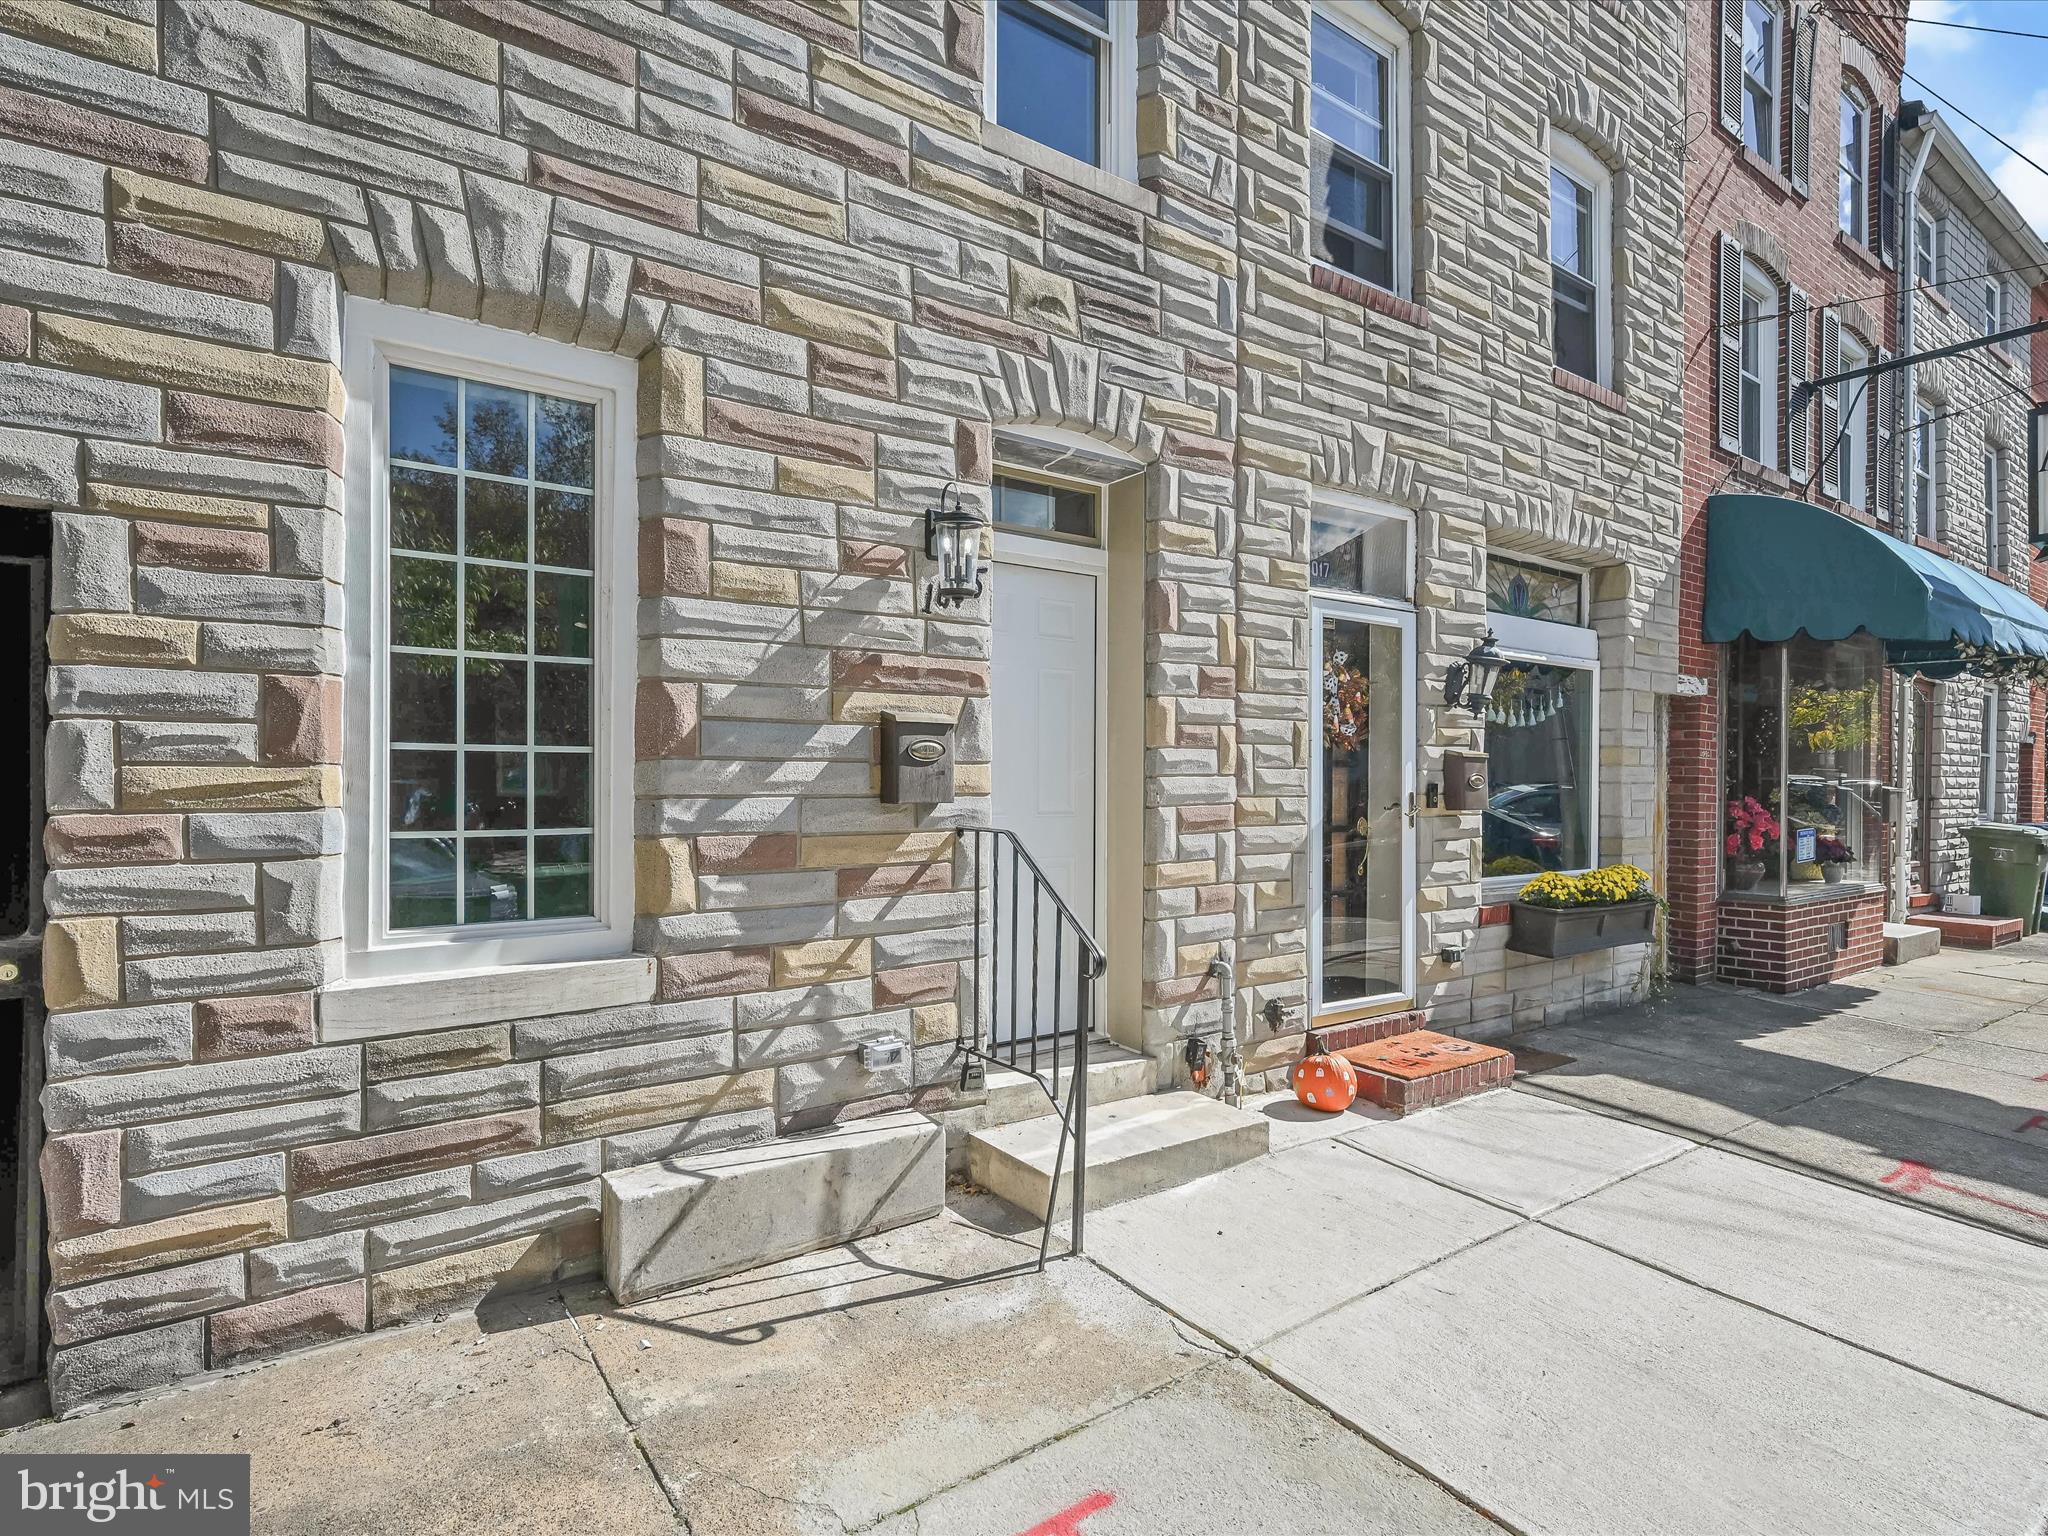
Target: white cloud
(1925, 42)
(2023, 183)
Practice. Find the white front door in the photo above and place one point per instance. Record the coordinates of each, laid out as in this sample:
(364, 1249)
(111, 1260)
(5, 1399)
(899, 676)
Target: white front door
(1043, 685)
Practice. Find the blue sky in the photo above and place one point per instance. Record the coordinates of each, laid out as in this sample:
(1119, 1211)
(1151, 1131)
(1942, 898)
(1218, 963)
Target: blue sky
(2000, 81)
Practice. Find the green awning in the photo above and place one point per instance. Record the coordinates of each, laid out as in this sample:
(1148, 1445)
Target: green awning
(1776, 567)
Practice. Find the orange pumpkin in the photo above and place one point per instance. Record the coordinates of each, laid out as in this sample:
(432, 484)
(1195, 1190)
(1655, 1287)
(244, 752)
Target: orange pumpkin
(1324, 1082)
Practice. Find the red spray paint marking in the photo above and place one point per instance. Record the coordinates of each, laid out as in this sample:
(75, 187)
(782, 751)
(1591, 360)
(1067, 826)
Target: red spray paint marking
(2039, 1122)
(1068, 1521)
(1913, 1178)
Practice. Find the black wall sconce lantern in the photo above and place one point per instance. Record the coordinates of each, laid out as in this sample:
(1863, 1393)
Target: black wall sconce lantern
(1470, 682)
(952, 539)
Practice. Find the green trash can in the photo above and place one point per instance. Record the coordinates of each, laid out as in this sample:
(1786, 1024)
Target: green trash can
(2007, 866)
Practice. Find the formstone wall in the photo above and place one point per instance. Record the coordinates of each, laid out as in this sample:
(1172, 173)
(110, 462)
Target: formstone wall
(839, 283)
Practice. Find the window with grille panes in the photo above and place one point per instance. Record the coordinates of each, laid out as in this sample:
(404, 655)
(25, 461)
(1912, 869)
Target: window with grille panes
(490, 693)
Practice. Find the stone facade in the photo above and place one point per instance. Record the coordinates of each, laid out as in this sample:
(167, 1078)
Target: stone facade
(1981, 400)
(839, 284)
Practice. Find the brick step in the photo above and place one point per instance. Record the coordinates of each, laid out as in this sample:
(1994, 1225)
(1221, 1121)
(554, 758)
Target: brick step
(1972, 932)
(1338, 1037)
(1423, 1069)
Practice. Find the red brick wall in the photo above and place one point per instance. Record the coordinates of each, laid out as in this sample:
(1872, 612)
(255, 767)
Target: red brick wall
(1725, 186)
(2034, 758)
(1790, 948)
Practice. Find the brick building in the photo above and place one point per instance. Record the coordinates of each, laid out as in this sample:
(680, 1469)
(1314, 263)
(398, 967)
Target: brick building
(483, 460)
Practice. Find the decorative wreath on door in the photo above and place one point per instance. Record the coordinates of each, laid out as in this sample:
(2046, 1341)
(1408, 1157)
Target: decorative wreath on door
(1346, 701)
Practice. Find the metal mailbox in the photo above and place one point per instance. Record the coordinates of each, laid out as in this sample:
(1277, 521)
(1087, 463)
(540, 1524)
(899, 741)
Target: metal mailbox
(1465, 786)
(917, 761)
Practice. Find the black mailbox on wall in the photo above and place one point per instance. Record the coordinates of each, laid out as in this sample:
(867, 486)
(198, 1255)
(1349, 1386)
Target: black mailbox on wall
(1465, 781)
(917, 761)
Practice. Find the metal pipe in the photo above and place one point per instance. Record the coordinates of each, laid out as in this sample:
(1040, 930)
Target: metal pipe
(1897, 902)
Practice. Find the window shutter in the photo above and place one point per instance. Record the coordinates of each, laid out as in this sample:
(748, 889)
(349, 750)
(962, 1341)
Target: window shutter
(1883, 472)
(1798, 370)
(1883, 209)
(1802, 105)
(1730, 81)
(1830, 405)
(1728, 341)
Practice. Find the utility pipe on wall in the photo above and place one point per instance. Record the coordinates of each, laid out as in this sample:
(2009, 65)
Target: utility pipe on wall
(1902, 511)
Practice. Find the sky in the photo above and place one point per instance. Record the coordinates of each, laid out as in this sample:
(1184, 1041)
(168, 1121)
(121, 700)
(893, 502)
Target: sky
(2001, 81)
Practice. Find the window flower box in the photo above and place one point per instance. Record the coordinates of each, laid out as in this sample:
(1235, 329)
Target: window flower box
(1559, 915)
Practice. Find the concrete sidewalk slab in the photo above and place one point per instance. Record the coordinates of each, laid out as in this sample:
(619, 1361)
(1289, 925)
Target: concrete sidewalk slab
(1999, 1181)
(1602, 1396)
(1251, 1252)
(1965, 1304)
(1924, 1010)
(1698, 1098)
(2018, 1032)
(1722, 1025)
(1294, 1124)
(1223, 1452)
(1520, 1150)
(1945, 1087)
(830, 1390)
(434, 1428)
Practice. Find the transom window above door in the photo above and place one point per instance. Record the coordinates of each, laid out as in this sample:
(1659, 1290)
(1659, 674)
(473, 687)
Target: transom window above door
(1355, 549)
(1042, 507)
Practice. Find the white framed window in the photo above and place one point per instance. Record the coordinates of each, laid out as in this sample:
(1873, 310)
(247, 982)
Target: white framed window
(1358, 142)
(1064, 73)
(1542, 726)
(1581, 302)
(1991, 725)
(1759, 366)
(1855, 163)
(1761, 45)
(1930, 248)
(1854, 396)
(1994, 307)
(491, 622)
(1929, 432)
(1994, 525)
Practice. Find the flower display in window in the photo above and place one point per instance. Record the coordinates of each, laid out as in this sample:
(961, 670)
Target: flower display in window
(1752, 827)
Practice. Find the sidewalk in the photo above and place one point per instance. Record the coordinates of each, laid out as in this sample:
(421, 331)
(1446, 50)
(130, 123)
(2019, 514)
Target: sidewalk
(1672, 1282)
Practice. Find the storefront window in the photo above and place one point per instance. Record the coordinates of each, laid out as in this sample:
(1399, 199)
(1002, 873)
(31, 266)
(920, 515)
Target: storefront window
(1539, 744)
(1803, 788)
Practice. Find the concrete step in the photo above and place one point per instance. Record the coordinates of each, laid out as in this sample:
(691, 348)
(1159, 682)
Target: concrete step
(1135, 1147)
(1423, 1069)
(1974, 932)
(1910, 941)
(1114, 1074)
(672, 1224)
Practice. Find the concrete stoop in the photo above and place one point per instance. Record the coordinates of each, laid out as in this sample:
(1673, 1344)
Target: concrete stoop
(1968, 932)
(1114, 1074)
(1136, 1146)
(672, 1224)
(1910, 941)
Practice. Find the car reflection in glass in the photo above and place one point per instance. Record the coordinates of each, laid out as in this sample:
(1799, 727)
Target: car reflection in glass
(1525, 821)
(423, 887)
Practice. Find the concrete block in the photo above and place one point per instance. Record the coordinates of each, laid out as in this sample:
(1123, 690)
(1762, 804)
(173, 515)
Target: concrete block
(668, 1225)
(126, 1364)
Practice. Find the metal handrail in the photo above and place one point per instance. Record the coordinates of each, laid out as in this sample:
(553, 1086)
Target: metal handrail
(1066, 1044)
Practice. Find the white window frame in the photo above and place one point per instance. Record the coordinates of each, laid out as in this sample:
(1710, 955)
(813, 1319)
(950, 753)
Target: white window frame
(1574, 647)
(1760, 286)
(1990, 785)
(377, 336)
(1370, 23)
(1852, 468)
(1928, 431)
(1116, 85)
(1581, 165)
(1772, 152)
(1855, 220)
(1994, 495)
(1994, 307)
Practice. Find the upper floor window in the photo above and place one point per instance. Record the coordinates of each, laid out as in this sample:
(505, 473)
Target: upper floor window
(1064, 72)
(1994, 307)
(1994, 527)
(492, 817)
(1759, 370)
(1929, 431)
(1852, 449)
(1930, 249)
(1579, 288)
(1854, 217)
(1357, 121)
(1760, 47)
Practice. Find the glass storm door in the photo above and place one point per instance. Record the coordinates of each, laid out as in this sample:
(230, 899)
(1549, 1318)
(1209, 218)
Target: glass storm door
(1362, 853)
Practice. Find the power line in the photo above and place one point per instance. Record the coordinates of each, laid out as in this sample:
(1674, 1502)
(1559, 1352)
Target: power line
(1966, 117)
(1958, 26)
(1883, 293)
